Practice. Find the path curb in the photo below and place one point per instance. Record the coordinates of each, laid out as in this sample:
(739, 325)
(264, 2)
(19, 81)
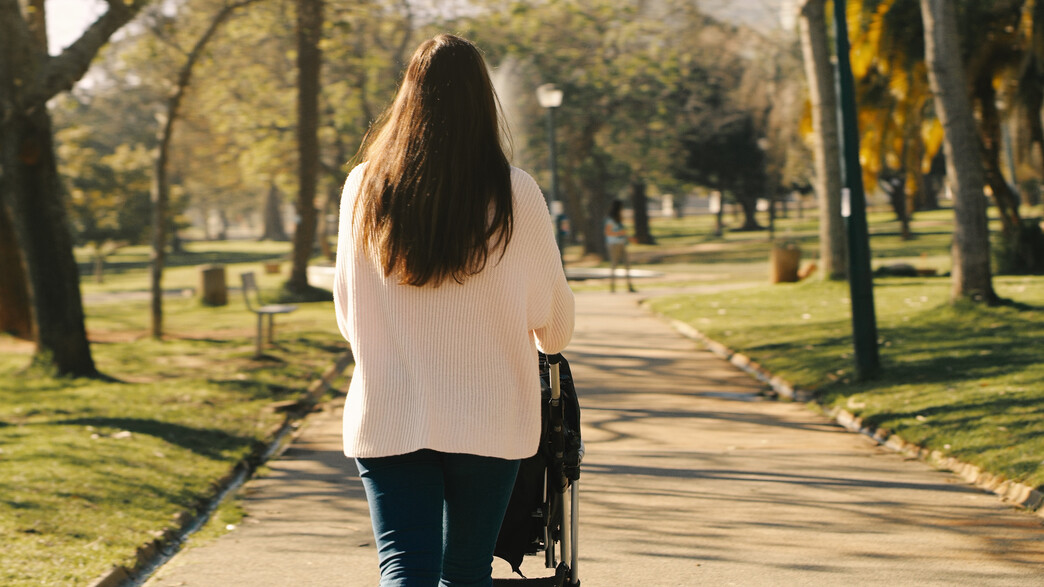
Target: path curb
(170, 541)
(1012, 492)
(777, 383)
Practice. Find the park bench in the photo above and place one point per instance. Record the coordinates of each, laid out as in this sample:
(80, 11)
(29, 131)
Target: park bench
(250, 290)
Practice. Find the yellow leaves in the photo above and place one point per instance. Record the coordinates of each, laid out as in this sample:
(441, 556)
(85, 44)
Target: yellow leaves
(1026, 20)
(805, 124)
(932, 135)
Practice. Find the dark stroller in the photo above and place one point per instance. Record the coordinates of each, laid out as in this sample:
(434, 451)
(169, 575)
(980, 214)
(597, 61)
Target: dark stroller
(544, 504)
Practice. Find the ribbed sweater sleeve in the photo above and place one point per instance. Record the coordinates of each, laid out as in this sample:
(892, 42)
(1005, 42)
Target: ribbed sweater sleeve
(453, 367)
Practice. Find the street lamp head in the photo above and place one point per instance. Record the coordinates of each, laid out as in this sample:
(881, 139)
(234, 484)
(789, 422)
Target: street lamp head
(549, 96)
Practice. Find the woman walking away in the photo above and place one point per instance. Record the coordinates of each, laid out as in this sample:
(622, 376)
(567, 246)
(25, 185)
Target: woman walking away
(448, 282)
(616, 242)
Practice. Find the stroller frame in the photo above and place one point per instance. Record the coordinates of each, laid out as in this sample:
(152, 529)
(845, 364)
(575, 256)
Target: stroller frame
(560, 454)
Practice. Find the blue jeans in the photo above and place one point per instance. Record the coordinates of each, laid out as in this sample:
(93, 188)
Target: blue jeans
(436, 516)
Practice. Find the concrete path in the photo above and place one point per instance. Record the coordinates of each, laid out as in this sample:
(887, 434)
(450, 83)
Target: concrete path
(689, 479)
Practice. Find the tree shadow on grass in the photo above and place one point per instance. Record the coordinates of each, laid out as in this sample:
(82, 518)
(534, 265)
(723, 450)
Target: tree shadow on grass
(253, 390)
(206, 442)
(113, 267)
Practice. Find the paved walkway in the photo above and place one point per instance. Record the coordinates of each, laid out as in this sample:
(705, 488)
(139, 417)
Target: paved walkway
(689, 479)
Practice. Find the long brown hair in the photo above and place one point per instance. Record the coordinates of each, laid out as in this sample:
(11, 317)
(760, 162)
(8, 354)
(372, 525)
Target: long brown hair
(435, 198)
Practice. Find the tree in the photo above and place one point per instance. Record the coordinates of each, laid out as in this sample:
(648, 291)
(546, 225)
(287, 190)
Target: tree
(30, 189)
(272, 217)
(972, 278)
(309, 63)
(722, 151)
(108, 192)
(627, 71)
(1005, 84)
(899, 135)
(819, 71)
(160, 179)
(15, 310)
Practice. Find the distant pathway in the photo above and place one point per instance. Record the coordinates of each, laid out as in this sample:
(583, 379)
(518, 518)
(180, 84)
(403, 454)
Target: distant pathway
(689, 479)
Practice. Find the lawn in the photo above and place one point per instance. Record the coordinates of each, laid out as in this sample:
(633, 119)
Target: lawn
(125, 270)
(687, 253)
(965, 380)
(92, 469)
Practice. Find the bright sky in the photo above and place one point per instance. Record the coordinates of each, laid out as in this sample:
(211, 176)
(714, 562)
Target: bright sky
(759, 13)
(67, 19)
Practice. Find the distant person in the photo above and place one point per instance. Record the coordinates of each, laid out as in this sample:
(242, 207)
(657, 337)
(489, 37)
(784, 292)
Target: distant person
(616, 241)
(448, 281)
(561, 224)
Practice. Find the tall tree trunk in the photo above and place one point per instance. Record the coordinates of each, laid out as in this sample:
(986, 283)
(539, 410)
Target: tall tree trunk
(595, 204)
(640, 208)
(15, 311)
(33, 197)
(273, 216)
(99, 263)
(30, 188)
(935, 183)
(815, 44)
(1033, 90)
(160, 180)
(331, 202)
(914, 174)
(222, 228)
(972, 278)
(719, 216)
(586, 203)
(160, 196)
(749, 206)
(309, 62)
(893, 184)
(990, 125)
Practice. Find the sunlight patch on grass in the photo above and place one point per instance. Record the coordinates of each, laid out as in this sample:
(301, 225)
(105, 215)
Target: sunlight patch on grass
(90, 470)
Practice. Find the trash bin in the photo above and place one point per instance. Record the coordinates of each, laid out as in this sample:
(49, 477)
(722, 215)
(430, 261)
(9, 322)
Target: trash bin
(784, 262)
(212, 285)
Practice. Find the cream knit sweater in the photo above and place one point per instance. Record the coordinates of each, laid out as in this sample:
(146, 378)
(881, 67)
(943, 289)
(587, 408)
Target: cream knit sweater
(452, 368)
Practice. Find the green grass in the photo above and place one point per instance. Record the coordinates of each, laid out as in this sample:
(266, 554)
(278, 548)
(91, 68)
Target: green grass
(688, 253)
(91, 470)
(126, 269)
(966, 380)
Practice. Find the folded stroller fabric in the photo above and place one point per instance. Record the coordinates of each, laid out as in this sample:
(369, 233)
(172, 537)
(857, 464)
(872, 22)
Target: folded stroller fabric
(536, 500)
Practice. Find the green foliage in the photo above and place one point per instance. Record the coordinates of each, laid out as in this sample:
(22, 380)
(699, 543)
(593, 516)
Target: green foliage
(104, 141)
(631, 74)
(108, 192)
(721, 151)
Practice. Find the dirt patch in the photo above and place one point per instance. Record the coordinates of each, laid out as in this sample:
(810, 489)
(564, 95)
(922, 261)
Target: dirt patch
(224, 334)
(16, 346)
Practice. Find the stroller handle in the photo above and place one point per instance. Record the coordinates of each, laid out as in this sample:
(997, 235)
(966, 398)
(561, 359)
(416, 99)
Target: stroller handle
(556, 382)
(553, 374)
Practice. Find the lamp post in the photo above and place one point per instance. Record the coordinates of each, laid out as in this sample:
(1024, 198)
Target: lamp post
(853, 209)
(550, 98)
